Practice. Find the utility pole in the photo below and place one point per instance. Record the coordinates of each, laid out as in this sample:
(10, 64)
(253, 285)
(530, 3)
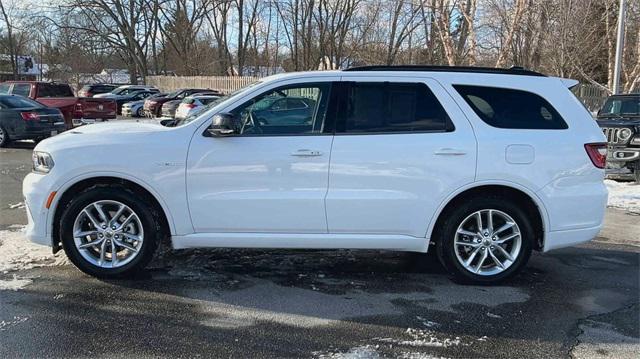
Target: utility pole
(619, 47)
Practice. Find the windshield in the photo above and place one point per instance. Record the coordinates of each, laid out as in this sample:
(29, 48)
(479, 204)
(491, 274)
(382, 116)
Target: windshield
(205, 109)
(621, 107)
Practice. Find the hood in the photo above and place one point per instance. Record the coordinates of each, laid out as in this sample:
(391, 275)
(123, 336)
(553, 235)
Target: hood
(120, 132)
(133, 103)
(618, 122)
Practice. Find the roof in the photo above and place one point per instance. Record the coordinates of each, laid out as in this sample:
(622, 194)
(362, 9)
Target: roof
(471, 69)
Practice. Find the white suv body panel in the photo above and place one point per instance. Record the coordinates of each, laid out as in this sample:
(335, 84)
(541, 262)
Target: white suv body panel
(550, 166)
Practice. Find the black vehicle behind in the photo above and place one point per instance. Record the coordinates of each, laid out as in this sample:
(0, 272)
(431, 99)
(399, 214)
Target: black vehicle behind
(619, 119)
(24, 119)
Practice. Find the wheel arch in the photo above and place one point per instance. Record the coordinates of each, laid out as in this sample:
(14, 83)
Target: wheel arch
(65, 194)
(531, 202)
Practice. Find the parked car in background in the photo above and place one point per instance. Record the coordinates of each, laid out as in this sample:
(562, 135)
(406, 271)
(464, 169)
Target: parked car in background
(74, 109)
(153, 107)
(132, 96)
(126, 90)
(290, 110)
(481, 165)
(96, 89)
(136, 108)
(619, 119)
(22, 118)
(169, 108)
(193, 104)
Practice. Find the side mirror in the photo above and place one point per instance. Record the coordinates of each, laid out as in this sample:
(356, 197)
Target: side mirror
(224, 124)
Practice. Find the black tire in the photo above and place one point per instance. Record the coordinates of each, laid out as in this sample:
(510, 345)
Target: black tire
(445, 237)
(4, 137)
(149, 217)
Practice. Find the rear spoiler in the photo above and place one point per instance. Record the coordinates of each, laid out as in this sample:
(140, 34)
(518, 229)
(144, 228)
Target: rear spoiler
(568, 83)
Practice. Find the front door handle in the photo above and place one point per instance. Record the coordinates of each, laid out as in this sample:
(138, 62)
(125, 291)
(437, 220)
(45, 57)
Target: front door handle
(306, 153)
(450, 152)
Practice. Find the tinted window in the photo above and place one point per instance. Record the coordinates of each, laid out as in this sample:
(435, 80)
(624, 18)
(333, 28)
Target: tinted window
(267, 114)
(54, 90)
(509, 108)
(4, 88)
(392, 107)
(619, 106)
(21, 89)
(18, 102)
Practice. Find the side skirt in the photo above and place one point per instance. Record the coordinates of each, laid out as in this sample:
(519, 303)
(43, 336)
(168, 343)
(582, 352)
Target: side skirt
(301, 241)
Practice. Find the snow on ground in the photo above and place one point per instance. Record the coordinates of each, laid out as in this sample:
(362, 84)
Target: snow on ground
(624, 195)
(18, 253)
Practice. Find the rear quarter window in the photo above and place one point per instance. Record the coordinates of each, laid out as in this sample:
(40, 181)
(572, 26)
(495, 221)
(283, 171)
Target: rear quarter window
(510, 108)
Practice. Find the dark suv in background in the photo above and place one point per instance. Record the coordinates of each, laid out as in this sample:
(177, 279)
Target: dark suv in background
(619, 119)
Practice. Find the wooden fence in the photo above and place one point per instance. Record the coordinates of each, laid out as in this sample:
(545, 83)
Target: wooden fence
(592, 96)
(225, 84)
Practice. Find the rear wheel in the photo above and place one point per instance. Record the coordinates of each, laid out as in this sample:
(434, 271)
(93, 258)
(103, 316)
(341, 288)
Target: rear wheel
(108, 232)
(4, 137)
(485, 240)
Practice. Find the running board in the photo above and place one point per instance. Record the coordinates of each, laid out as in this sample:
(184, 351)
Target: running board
(301, 241)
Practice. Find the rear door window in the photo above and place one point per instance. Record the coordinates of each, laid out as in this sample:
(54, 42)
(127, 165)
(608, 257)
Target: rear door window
(510, 108)
(386, 107)
(21, 89)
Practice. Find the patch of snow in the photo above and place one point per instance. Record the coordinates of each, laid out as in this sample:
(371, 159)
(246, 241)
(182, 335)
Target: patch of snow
(624, 195)
(15, 283)
(5, 324)
(423, 338)
(361, 352)
(491, 315)
(427, 323)
(18, 253)
(19, 205)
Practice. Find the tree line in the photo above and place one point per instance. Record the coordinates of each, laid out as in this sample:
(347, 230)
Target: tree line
(568, 38)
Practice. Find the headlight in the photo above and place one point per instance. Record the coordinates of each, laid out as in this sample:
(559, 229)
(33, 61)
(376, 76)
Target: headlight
(42, 162)
(624, 134)
(636, 140)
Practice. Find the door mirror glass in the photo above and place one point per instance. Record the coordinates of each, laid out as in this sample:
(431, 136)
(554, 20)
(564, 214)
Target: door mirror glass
(224, 124)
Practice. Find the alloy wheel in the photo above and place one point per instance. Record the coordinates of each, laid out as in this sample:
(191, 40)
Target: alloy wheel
(108, 234)
(487, 242)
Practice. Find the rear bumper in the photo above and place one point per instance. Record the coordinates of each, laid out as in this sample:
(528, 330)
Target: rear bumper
(561, 239)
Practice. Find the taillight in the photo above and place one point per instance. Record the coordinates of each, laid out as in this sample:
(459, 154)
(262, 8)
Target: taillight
(29, 116)
(597, 153)
(190, 105)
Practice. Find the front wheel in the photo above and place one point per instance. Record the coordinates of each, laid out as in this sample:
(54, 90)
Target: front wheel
(485, 240)
(108, 232)
(4, 137)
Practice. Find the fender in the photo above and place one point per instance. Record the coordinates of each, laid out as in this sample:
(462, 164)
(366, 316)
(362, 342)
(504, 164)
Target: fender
(541, 207)
(70, 182)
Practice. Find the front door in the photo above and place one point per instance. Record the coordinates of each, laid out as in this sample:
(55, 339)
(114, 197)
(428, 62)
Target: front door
(271, 177)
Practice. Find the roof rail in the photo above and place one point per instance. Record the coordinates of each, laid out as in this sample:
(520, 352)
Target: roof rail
(515, 70)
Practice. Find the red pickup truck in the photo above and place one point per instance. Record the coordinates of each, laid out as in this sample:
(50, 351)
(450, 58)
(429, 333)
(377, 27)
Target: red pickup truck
(61, 96)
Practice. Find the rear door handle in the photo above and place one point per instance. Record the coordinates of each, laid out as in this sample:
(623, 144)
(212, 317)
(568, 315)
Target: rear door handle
(450, 152)
(306, 153)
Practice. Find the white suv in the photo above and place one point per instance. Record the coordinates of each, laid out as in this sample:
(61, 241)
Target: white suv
(486, 164)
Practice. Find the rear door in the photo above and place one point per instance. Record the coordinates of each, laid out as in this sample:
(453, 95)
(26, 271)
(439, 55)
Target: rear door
(396, 156)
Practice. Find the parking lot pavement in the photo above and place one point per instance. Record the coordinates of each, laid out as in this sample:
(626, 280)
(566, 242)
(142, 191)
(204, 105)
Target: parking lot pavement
(575, 302)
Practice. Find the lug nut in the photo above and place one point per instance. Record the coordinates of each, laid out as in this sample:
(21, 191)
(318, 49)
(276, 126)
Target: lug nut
(116, 236)
(104, 226)
(113, 227)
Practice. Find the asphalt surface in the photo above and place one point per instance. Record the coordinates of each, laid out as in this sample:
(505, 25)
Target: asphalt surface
(578, 302)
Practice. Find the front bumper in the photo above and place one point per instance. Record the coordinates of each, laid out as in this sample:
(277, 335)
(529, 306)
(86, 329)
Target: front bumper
(36, 189)
(622, 162)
